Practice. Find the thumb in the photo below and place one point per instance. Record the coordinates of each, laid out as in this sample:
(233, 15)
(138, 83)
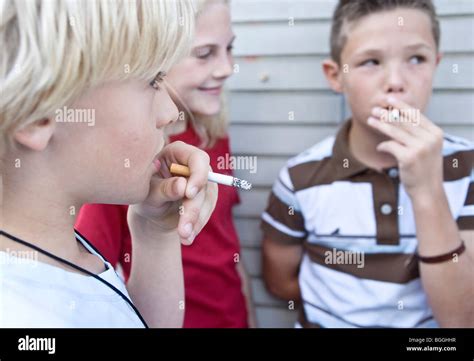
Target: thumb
(167, 190)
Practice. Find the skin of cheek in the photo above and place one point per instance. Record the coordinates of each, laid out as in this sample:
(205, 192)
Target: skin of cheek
(362, 88)
(205, 104)
(116, 153)
(423, 87)
(366, 87)
(358, 94)
(213, 26)
(185, 78)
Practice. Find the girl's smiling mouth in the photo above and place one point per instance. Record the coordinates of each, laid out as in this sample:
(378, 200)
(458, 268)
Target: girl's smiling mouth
(211, 90)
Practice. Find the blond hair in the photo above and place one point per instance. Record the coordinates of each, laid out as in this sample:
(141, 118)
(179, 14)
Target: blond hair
(53, 51)
(208, 128)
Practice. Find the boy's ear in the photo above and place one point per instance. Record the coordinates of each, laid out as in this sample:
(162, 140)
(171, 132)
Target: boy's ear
(36, 135)
(439, 56)
(332, 72)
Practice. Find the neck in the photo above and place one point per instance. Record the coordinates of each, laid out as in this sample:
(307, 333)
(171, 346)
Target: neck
(35, 210)
(363, 142)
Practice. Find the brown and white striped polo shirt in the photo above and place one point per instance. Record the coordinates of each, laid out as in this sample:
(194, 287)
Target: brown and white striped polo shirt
(358, 231)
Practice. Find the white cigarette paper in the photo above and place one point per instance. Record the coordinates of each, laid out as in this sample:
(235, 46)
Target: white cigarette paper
(224, 179)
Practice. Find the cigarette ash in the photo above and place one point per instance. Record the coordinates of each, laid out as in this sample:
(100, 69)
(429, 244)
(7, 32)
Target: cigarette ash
(242, 184)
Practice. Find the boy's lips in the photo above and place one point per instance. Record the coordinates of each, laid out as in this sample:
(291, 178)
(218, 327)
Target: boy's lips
(157, 164)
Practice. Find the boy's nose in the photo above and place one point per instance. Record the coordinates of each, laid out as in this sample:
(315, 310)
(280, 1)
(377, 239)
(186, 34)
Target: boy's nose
(169, 112)
(394, 82)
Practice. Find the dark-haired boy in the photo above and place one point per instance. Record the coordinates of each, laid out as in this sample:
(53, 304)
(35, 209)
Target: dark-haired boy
(374, 227)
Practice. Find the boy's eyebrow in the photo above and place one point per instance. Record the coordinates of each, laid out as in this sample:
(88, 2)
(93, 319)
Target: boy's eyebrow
(374, 51)
(212, 44)
(418, 46)
(368, 51)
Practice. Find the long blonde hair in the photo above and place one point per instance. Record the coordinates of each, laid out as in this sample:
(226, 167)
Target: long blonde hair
(53, 51)
(208, 128)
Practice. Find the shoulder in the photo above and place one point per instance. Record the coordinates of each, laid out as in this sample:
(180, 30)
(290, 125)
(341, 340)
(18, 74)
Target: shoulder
(307, 165)
(23, 292)
(316, 153)
(453, 144)
(458, 157)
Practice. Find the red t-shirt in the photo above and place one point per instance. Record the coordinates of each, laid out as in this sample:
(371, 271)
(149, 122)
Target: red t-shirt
(213, 289)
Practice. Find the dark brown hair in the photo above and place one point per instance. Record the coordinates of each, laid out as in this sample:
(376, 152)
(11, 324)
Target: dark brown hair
(352, 10)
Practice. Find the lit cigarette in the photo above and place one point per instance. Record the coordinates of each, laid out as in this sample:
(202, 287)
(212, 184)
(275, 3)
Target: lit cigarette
(227, 180)
(394, 115)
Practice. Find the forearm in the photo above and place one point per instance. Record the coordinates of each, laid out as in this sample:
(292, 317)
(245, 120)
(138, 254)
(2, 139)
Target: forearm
(247, 291)
(288, 290)
(156, 283)
(448, 285)
(292, 292)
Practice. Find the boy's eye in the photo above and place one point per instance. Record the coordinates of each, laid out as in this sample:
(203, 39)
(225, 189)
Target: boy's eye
(417, 59)
(229, 48)
(202, 53)
(155, 83)
(369, 62)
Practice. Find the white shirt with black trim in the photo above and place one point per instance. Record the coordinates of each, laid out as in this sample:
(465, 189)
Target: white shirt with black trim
(38, 295)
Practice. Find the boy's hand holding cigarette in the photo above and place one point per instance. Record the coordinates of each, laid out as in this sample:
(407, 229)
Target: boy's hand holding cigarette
(177, 204)
(416, 143)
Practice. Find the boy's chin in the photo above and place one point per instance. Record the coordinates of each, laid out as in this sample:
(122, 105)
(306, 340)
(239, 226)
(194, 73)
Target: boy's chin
(131, 195)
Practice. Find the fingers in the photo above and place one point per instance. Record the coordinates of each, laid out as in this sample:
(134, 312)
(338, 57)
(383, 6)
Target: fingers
(199, 197)
(190, 212)
(394, 148)
(408, 120)
(171, 189)
(163, 191)
(409, 126)
(412, 135)
(392, 131)
(196, 212)
(411, 115)
(197, 161)
(189, 216)
(207, 207)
